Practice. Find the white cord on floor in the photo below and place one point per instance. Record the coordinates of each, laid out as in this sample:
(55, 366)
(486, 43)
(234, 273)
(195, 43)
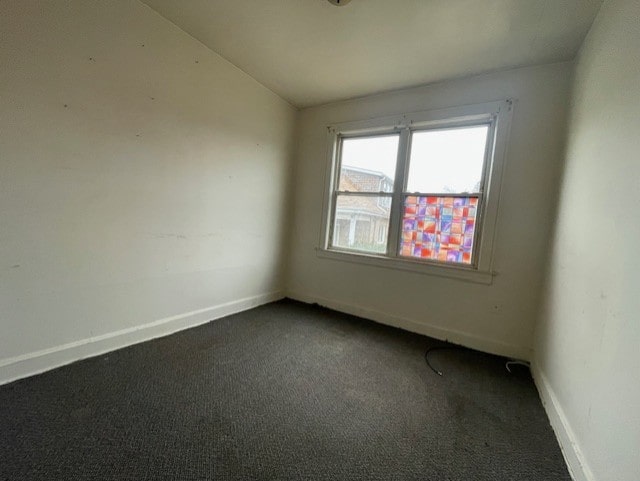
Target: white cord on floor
(520, 363)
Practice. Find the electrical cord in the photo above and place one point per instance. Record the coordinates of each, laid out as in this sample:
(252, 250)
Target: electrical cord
(508, 364)
(518, 363)
(440, 348)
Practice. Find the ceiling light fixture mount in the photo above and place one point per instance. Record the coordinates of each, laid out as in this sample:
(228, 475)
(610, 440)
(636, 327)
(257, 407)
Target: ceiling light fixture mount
(338, 3)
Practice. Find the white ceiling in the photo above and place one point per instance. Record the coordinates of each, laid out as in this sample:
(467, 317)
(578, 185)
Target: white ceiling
(310, 52)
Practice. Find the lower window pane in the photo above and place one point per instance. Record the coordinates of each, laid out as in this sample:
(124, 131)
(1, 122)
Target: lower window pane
(439, 228)
(361, 223)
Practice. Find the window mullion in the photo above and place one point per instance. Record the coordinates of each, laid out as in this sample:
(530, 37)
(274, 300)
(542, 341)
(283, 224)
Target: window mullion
(398, 187)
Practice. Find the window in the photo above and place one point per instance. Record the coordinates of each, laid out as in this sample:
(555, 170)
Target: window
(417, 191)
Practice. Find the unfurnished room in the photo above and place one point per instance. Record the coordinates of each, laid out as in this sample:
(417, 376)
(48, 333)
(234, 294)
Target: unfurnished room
(320, 240)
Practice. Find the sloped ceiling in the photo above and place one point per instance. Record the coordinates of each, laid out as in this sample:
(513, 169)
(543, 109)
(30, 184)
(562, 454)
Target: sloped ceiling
(310, 52)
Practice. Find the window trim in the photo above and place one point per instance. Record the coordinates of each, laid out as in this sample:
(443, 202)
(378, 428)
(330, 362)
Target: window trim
(497, 113)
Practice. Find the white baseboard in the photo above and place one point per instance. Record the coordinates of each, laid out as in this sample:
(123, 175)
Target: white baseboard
(456, 337)
(573, 456)
(36, 362)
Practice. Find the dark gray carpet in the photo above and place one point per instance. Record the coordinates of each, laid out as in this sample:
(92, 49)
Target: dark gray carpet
(286, 391)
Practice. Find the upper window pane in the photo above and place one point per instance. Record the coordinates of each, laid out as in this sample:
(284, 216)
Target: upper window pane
(368, 164)
(447, 161)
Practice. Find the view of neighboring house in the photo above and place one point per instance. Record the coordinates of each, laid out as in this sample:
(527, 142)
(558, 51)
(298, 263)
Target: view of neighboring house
(362, 221)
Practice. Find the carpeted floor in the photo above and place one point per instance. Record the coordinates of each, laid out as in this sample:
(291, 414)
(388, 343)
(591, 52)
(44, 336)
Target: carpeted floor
(286, 391)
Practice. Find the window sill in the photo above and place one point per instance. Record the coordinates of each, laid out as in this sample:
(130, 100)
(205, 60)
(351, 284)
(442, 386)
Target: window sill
(467, 274)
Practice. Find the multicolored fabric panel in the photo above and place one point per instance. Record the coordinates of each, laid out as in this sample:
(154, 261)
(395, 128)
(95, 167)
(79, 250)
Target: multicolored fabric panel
(439, 228)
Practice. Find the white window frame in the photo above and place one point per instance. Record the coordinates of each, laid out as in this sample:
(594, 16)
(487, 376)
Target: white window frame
(496, 114)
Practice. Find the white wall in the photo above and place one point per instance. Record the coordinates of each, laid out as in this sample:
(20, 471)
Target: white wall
(142, 177)
(587, 351)
(498, 318)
